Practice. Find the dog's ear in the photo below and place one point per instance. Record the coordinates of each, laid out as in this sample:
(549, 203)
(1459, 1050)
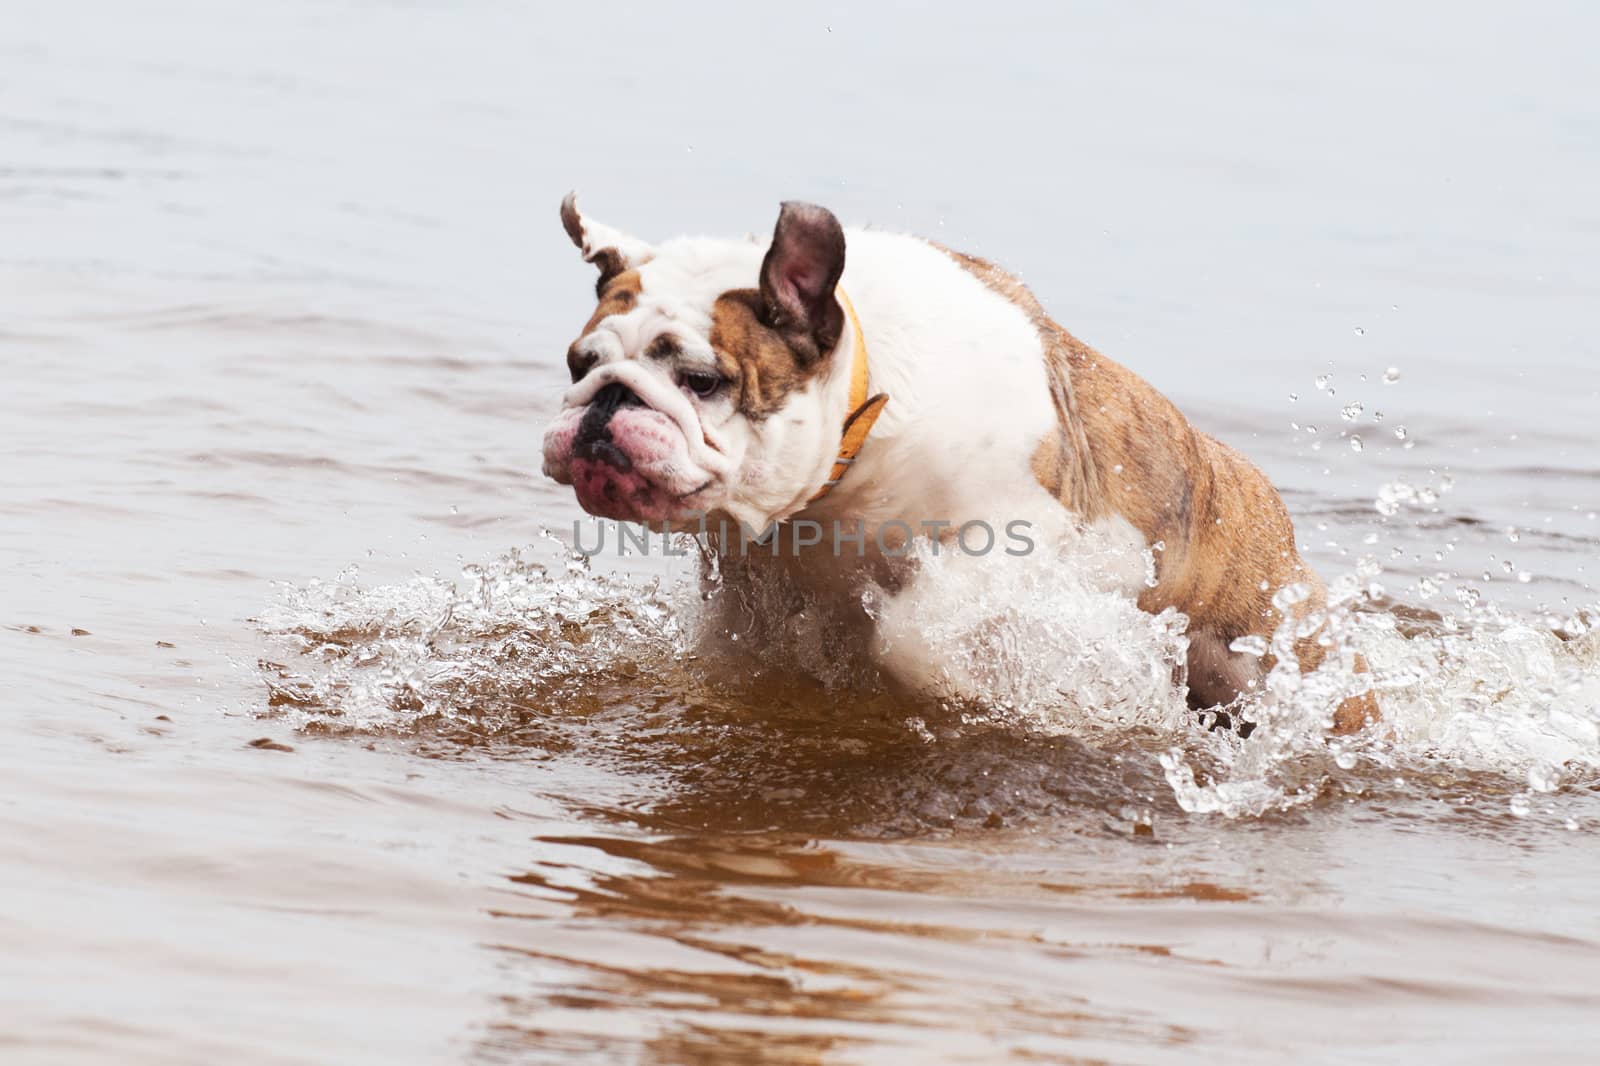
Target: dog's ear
(799, 276)
(609, 249)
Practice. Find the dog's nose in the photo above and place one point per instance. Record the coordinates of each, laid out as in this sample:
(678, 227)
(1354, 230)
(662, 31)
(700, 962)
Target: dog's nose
(593, 438)
(611, 399)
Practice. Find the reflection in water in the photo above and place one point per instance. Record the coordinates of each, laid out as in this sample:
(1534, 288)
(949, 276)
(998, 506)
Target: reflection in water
(855, 974)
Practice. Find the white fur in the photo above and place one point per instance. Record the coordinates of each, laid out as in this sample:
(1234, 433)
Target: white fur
(968, 395)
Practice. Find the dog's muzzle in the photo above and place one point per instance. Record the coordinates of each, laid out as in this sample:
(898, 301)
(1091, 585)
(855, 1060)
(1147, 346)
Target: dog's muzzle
(632, 447)
(593, 438)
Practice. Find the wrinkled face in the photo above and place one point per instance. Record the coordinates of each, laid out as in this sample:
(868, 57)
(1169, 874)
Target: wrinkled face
(702, 383)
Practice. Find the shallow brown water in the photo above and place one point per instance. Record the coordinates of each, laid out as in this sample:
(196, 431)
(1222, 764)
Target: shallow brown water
(303, 766)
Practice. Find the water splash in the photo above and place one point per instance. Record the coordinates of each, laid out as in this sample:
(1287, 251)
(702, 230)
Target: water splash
(1046, 645)
(1052, 639)
(1476, 693)
(515, 636)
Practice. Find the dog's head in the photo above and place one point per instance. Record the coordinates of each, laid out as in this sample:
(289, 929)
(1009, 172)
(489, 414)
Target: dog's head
(704, 382)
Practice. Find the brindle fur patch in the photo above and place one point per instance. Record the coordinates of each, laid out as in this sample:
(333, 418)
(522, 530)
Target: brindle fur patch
(760, 362)
(1227, 541)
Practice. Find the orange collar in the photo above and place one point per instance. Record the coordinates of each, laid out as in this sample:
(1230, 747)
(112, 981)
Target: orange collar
(864, 411)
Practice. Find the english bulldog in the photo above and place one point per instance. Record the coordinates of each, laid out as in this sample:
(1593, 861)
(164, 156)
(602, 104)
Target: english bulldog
(902, 389)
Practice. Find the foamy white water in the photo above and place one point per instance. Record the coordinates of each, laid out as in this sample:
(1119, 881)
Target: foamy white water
(1042, 642)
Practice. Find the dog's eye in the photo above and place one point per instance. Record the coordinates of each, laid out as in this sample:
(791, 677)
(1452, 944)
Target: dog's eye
(700, 382)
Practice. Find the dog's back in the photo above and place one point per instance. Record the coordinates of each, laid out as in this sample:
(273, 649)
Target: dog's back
(1221, 536)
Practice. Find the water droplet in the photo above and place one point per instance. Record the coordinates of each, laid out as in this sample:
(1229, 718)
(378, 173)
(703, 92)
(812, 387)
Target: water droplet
(1519, 805)
(1400, 433)
(1323, 380)
(1544, 778)
(1290, 595)
(1391, 375)
(1346, 760)
(1250, 645)
(1524, 576)
(1351, 411)
(1395, 495)
(1355, 442)
(1468, 596)
(1360, 332)
(1293, 396)
(1117, 469)
(1571, 825)
(1512, 535)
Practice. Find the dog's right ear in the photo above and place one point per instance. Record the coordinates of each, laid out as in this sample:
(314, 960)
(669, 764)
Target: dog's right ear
(609, 249)
(799, 277)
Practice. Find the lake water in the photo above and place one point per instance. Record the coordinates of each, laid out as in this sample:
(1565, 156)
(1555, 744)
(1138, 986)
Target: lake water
(320, 750)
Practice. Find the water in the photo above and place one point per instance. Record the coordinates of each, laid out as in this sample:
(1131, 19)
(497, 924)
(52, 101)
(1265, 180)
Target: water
(282, 307)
